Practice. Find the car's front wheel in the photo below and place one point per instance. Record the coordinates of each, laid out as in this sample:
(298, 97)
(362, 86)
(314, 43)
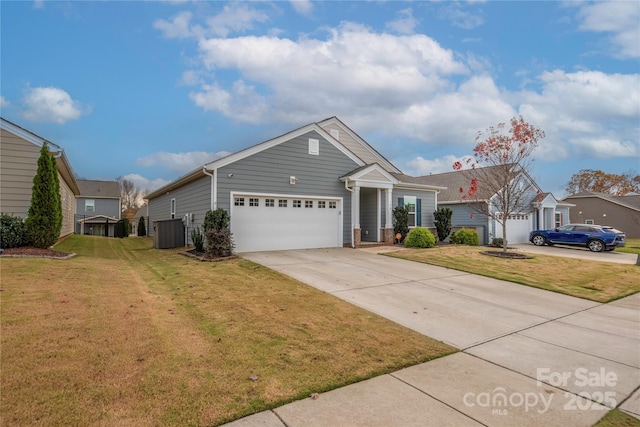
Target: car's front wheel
(538, 240)
(595, 245)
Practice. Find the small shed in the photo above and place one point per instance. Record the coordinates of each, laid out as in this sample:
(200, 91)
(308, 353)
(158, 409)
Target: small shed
(168, 234)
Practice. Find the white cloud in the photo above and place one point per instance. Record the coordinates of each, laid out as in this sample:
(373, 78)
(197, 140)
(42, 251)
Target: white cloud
(180, 162)
(421, 166)
(145, 185)
(461, 18)
(178, 28)
(587, 113)
(620, 19)
(4, 103)
(405, 23)
(304, 7)
(51, 104)
(352, 72)
(235, 17)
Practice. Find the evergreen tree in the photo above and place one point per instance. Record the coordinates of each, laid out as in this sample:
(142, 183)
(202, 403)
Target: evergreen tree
(142, 229)
(44, 220)
(442, 221)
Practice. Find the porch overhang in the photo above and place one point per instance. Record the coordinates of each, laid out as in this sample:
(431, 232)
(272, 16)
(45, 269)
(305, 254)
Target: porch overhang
(370, 176)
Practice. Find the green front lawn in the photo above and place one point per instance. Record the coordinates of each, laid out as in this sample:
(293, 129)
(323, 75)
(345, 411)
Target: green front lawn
(596, 281)
(632, 246)
(124, 334)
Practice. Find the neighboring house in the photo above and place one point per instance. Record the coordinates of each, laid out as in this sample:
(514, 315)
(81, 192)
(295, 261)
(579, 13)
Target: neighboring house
(537, 211)
(97, 207)
(621, 212)
(317, 186)
(19, 153)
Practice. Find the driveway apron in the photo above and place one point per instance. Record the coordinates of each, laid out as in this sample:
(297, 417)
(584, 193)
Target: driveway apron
(529, 356)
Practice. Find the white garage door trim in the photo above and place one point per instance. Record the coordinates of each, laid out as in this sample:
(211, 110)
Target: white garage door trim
(267, 228)
(518, 228)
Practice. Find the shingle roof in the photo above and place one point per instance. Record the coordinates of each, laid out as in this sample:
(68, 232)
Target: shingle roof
(456, 180)
(99, 189)
(630, 201)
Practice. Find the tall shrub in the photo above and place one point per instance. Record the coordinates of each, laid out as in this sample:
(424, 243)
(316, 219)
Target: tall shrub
(442, 221)
(216, 220)
(142, 229)
(401, 221)
(219, 243)
(44, 220)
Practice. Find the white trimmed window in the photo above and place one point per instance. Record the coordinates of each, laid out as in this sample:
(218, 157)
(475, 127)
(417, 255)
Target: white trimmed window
(333, 205)
(314, 146)
(254, 201)
(297, 203)
(322, 204)
(239, 201)
(308, 203)
(282, 203)
(173, 208)
(270, 203)
(89, 205)
(410, 203)
(558, 219)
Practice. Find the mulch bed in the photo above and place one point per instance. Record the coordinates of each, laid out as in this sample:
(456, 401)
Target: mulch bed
(31, 252)
(508, 255)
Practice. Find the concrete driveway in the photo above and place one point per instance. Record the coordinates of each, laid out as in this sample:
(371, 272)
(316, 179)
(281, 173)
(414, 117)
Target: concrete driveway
(526, 355)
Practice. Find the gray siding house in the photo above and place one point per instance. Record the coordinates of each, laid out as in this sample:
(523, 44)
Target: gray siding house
(97, 207)
(621, 212)
(19, 153)
(537, 211)
(317, 186)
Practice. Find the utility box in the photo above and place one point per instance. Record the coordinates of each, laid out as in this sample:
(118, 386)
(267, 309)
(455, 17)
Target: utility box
(168, 234)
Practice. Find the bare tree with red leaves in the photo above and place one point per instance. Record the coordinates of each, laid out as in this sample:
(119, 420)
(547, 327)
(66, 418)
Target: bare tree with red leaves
(499, 174)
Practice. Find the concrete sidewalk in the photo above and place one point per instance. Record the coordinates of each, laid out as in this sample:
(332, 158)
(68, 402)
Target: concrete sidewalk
(526, 353)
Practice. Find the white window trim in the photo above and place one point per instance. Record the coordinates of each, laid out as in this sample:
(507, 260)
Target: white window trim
(92, 204)
(415, 210)
(314, 146)
(173, 208)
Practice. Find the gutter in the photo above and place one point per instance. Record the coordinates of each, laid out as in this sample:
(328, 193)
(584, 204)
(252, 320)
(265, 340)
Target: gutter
(214, 187)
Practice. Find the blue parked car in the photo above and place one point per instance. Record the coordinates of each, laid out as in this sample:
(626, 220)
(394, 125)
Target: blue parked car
(597, 238)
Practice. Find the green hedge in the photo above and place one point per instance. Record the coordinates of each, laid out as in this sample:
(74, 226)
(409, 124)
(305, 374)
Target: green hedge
(465, 236)
(420, 237)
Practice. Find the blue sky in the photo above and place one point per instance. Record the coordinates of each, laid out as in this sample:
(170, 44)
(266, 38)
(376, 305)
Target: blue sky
(151, 90)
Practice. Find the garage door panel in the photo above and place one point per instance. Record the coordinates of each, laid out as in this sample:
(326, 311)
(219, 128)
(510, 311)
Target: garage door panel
(518, 228)
(264, 228)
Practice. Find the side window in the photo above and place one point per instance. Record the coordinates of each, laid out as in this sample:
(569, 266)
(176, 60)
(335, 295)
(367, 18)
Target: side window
(89, 205)
(173, 208)
(410, 203)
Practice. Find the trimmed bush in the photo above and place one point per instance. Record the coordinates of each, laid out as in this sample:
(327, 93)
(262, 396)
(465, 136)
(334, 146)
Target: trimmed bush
(13, 233)
(198, 239)
(216, 220)
(219, 243)
(442, 221)
(497, 242)
(142, 228)
(465, 236)
(420, 237)
(401, 221)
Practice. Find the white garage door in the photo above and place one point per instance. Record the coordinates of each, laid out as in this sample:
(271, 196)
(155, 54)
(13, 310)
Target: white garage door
(518, 228)
(267, 223)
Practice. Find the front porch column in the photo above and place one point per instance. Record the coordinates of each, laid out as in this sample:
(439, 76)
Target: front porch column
(541, 218)
(389, 208)
(355, 206)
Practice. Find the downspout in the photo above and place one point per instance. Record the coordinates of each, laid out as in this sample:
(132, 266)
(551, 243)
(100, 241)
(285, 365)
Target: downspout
(214, 187)
(353, 244)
